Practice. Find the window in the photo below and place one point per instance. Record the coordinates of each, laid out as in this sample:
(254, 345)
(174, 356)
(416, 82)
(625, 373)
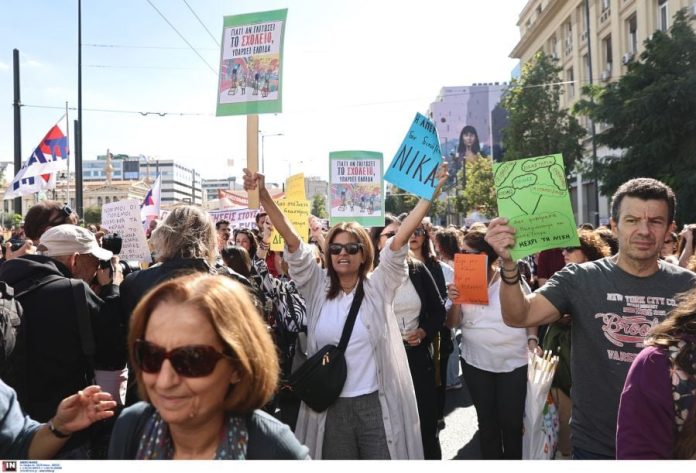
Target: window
(99, 201)
(570, 86)
(662, 15)
(632, 38)
(553, 49)
(568, 37)
(606, 4)
(607, 51)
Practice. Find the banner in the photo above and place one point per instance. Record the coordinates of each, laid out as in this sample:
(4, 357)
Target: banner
(533, 195)
(297, 212)
(251, 59)
(238, 218)
(414, 168)
(123, 217)
(356, 192)
(295, 187)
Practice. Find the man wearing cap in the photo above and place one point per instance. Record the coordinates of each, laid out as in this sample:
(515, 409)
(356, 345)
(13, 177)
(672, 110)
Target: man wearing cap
(49, 362)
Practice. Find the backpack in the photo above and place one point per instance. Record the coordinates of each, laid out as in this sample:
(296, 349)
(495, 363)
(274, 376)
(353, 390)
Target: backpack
(10, 318)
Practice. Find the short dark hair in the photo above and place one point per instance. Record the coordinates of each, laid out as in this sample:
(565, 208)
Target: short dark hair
(644, 188)
(259, 216)
(44, 215)
(448, 241)
(477, 240)
(220, 223)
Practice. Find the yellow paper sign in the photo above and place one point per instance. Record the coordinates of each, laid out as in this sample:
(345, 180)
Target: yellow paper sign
(471, 278)
(297, 212)
(295, 187)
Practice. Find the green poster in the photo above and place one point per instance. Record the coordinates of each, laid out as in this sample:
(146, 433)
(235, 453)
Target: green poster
(251, 60)
(533, 195)
(355, 188)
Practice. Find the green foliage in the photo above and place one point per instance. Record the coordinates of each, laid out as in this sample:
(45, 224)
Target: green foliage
(399, 201)
(319, 206)
(479, 191)
(92, 215)
(537, 126)
(11, 219)
(438, 211)
(650, 117)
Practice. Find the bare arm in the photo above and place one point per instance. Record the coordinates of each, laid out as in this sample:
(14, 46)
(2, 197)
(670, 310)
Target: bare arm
(518, 310)
(687, 235)
(277, 217)
(454, 313)
(415, 217)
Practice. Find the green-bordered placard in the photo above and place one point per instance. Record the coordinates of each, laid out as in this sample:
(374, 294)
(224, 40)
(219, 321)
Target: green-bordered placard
(251, 64)
(356, 192)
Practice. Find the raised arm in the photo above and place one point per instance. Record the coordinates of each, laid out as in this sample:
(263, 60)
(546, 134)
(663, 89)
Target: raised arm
(518, 310)
(284, 227)
(411, 222)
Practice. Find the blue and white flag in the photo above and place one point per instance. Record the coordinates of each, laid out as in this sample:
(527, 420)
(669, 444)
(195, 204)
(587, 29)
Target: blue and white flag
(151, 204)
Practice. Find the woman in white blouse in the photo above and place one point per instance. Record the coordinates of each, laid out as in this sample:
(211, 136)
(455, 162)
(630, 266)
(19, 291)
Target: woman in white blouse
(375, 416)
(494, 361)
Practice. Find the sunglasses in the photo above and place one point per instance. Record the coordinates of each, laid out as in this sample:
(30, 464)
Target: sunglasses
(419, 232)
(387, 234)
(351, 248)
(191, 361)
(471, 252)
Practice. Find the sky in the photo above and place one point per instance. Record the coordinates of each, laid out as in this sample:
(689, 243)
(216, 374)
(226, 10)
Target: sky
(355, 74)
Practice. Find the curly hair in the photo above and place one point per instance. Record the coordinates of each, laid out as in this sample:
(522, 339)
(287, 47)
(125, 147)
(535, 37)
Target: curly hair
(593, 245)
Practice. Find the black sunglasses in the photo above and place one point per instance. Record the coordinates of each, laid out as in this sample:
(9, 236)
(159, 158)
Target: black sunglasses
(419, 232)
(471, 252)
(387, 234)
(191, 361)
(351, 248)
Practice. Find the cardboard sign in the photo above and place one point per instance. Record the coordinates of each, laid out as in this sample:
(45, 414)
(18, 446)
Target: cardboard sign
(356, 193)
(414, 167)
(297, 212)
(251, 58)
(532, 193)
(123, 217)
(471, 278)
(295, 187)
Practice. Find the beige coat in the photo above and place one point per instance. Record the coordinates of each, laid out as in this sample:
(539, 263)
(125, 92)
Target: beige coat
(396, 394)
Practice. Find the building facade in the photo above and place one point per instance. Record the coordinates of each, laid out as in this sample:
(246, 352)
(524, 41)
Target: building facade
(593, 41)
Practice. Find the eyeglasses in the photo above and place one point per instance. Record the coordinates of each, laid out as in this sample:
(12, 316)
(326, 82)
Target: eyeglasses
(351, 248)
(387, 234)
(191, 361)
(471, 252)
(419, 232)
(570, 249)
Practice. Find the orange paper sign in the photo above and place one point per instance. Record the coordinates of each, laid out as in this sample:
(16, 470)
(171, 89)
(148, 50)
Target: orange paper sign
(471, 278)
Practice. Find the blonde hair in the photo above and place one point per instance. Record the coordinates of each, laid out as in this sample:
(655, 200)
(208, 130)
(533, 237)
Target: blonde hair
(187, 232)
(234, 318)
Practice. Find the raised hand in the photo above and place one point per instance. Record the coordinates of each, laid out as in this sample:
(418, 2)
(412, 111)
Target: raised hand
(79, 411)
(501, 237)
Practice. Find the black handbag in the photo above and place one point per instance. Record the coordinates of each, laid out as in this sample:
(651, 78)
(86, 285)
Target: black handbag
(320, 379)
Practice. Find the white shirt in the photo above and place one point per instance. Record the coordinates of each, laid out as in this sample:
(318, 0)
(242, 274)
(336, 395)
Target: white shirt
(362, 367)
(487, 343)
(407, 306)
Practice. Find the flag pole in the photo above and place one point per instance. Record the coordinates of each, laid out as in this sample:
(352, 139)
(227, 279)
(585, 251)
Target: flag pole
(67, 133)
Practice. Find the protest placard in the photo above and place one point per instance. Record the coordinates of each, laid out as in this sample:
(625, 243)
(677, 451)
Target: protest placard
(123, 217)
(295, 187)
(355, 188)
(251, 58)
(532, 193)
(297, 212)
(414, 167)
(471, 278)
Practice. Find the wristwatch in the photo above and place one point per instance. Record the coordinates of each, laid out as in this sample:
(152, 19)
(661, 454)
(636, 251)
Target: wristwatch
(56, 432)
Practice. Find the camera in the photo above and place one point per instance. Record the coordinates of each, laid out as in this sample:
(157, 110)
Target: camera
(113, 242)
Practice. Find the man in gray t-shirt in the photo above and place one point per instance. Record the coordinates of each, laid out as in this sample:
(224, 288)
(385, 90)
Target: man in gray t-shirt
(613, 302)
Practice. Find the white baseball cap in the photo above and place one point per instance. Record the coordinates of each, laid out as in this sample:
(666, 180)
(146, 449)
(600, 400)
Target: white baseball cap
(67, 239)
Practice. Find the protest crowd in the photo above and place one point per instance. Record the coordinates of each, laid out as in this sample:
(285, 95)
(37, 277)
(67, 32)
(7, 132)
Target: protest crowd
(214, 350)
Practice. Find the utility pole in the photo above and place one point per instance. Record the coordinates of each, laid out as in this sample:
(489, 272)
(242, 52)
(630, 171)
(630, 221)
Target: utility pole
(17, 127)
(592, 123)
(78, 123)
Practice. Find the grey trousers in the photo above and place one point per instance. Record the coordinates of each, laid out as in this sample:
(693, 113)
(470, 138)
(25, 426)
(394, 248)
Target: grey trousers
(355, 430)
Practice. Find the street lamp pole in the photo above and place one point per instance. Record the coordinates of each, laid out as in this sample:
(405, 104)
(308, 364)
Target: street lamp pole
(263, 169)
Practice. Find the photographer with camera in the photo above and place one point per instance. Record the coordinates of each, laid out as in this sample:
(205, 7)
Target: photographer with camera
(686, 246)
(69, 337)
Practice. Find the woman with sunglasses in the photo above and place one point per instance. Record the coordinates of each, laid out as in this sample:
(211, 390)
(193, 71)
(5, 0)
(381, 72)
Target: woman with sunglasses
(375, 417)
(494, 360)
(420, 313)
(205, 364)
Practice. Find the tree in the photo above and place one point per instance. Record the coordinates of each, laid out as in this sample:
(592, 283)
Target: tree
(479, 191)
(537, 126)
(92, 215)
(319, 206)
(650, 118)
(399, 201)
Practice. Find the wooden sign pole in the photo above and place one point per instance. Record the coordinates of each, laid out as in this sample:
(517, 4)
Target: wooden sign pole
(253, 155)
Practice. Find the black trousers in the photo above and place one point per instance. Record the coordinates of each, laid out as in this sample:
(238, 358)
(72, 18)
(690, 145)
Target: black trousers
(423, 375)
(499, 401)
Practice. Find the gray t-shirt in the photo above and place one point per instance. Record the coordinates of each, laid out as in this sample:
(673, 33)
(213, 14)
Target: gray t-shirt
(612, 313)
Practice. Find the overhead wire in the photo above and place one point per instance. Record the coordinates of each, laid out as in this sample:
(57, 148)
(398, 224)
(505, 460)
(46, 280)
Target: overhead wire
(202, 24)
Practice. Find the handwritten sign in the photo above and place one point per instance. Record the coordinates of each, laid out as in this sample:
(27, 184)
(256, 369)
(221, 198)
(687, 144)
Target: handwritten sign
(355, 188)
(251, 59)
(297, 211)
(295, 187)
(123, 217)
(532, 193)
(471, 278)
(415, 165)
